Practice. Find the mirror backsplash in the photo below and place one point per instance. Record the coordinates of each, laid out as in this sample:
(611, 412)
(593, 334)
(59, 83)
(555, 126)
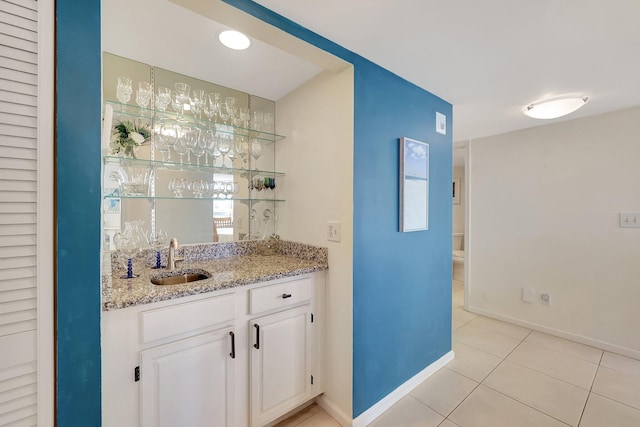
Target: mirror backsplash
(205, 171)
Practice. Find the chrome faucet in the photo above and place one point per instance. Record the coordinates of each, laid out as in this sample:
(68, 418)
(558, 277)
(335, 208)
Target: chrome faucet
(173, 247)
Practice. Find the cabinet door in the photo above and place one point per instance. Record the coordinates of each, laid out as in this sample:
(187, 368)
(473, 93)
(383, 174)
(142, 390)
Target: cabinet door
(280, 363)
(189, 382)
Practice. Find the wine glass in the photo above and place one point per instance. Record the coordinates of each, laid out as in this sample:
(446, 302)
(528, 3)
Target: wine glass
(144, 94)
(182, 99)
(256, 151)
(198, 187)
(157, 240)
(181, 146)
(224, 146)
(199, 146)
(124, 90)
(178, 186)
(223, 113)
(163, 99)
(241, 147)
(244, 115)
(197, 102)
(167, 137)
(213, 106)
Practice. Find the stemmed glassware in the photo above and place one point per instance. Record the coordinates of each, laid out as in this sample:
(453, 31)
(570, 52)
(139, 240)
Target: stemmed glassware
(144, 94)
(181, 99)
(124, 90)
(212, 107)
(182, 146)
(224, 146)
(128, 243)
(241, 147)
(163, 98)
(199, 187)
(166, 139)
(198, 101)
(197, 144)
(244, 115)
(157, 240)
(211, 146)
(178, 186)
(256, 151)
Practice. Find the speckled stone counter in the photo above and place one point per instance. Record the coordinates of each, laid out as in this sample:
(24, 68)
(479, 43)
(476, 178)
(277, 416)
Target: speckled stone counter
(230, 265)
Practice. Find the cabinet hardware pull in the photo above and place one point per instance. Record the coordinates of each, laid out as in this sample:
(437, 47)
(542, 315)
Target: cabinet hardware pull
(257, 344)
(285, 296)
(233, 345)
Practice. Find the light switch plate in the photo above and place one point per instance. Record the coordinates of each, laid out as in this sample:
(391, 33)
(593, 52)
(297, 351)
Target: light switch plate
(334, 232)
(630, 220)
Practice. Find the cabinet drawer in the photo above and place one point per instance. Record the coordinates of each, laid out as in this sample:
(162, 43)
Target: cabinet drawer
(181, 318)
(280, 296)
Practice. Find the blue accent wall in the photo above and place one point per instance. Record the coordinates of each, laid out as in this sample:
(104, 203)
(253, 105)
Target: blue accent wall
(401, 281)
(78, 123)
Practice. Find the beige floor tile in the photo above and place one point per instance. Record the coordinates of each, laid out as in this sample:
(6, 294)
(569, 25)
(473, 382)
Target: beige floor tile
(603, 412)
(444, 390)
(457, 324)
(621, 363)
(501, 327)
(458, 299)
(461, 315)
(575, 349)
(447, 423)
(488, 408)
(617, 385)
(457, 285)
(471, 362)
(408, 412)
(556, 398)
(486, 340)
(321, 419)
(562, 366)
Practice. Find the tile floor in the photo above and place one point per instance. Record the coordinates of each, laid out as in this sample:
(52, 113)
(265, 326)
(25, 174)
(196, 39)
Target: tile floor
(508, 376)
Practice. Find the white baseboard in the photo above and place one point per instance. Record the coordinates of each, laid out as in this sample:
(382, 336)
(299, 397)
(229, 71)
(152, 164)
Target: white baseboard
(603, 345)
(333, 410)
(390, 399)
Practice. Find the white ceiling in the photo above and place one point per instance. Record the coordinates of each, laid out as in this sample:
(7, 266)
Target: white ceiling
(488, 58)
(163, 34)
(491, 58)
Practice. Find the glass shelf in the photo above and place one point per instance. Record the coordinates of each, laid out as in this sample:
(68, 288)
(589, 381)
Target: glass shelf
(137, 112)
(242, 200)
(190, 167)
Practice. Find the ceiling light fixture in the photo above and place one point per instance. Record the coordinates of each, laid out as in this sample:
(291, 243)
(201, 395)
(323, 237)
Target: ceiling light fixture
(554, 108)
(234, 40)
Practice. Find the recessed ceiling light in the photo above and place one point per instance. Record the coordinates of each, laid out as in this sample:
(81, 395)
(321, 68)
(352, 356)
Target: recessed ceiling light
(554, 108)
(234, 40)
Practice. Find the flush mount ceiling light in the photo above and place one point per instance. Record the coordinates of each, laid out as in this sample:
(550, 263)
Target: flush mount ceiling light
(234, 40)
(554, 108)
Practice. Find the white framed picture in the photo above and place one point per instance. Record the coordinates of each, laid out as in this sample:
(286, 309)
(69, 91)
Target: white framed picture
(414, 185)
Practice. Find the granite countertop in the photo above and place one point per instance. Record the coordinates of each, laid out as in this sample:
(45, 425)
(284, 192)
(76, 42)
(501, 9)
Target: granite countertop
(228, 269)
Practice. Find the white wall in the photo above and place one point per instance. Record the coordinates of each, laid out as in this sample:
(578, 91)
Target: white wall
(458, 210)
(317, 157)
(543, 212)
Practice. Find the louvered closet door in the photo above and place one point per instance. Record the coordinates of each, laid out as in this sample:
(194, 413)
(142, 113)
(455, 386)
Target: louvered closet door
(18, 204)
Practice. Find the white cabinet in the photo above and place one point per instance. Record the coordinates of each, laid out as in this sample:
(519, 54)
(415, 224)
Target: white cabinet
(189, 382)
(281, 376)
(170, 363)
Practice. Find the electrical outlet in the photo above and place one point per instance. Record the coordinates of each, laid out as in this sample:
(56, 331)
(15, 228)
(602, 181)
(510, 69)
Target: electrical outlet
(545, 297)
(334, 233)
(629, 220)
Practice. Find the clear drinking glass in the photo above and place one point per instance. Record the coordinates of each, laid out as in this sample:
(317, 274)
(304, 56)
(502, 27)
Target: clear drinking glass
(178, 186)
(224, 146)
(181, 146)
(163, 99)
(256, 151)
(157, 240)
(144, 94)
(198, 187)
(198, 100)
(124, 90)
(213, 106)
(182, 91)
(241, 147)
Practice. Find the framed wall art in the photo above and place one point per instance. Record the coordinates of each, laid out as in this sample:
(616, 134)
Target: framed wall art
(414, 185)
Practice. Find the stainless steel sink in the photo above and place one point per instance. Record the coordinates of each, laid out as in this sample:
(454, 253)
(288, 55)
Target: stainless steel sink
(180, 277)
